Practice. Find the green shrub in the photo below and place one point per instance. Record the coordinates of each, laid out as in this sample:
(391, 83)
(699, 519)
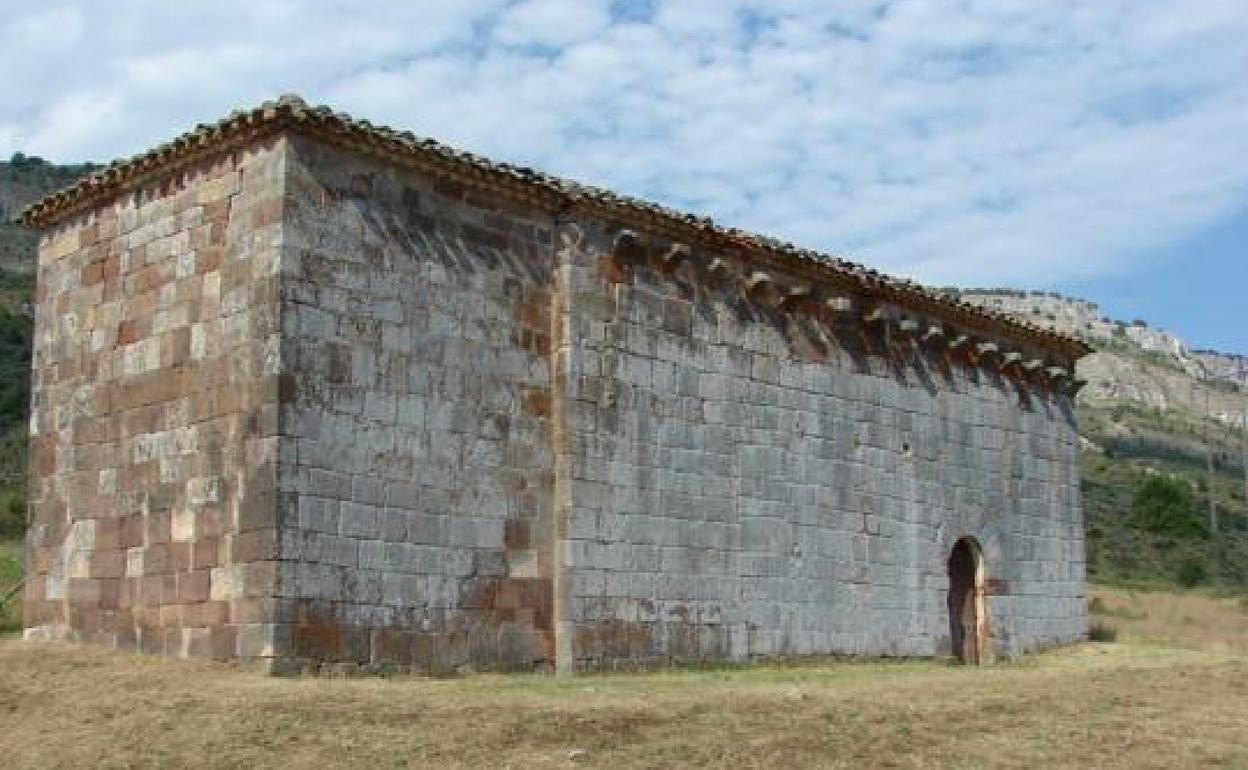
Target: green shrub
(1100, 631)
(1192, 572)
(1166, 506)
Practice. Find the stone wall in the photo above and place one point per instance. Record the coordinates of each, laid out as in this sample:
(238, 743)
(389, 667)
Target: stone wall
(153, 415)
(416, 468)
(303, 405)
(746, 481)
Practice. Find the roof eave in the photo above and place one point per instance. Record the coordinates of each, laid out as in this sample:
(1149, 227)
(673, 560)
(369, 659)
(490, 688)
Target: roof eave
(290, 113)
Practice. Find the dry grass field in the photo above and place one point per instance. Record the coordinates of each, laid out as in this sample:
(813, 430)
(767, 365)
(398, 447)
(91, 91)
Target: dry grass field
(1189, 620)
(1172, 692)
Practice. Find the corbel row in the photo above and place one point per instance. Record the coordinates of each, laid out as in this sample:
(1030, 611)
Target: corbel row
(759, 287)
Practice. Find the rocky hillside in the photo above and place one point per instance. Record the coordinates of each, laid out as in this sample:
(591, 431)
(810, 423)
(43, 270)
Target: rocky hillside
(1133, 361)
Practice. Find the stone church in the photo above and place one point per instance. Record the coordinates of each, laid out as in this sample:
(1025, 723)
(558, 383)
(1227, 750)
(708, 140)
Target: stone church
(319, 394)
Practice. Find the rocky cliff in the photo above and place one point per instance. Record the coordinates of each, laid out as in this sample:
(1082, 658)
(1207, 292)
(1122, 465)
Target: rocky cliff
(1133, 361)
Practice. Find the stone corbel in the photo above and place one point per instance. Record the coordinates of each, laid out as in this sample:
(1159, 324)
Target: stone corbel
(1010, 361)
(571, 237)
(832, 309)
(839, 306)
(797, 296)
(676, 255)
(961, 349)
(627, 249)
(1056, 375)
(719, 271)
(759, 287)
(877, 324)
(908, 333)
(876, 315)
(984, 351)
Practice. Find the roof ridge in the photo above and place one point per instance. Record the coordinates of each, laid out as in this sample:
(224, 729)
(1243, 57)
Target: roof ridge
(290, 110)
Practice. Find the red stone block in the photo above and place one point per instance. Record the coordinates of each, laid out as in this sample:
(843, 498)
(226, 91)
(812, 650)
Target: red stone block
(92, 274)
(206, 613)
(320, 642)
(217, 212)
(107, 531)
(111, 593)
(109, 563)
(193, 586)
(88, 235)
(208, 258)
(129, 332)
(156, 528)
(266, 212)
(260, 579)
(223, 642)
(391, 647)
(131, 530)
(204, 553)
(254, 545)
(179, 559)
(515, 534)
(84, 591)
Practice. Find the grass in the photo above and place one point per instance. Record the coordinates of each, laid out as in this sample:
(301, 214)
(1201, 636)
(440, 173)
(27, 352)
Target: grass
(10, 574)
(1187, 620)
(1139, 703)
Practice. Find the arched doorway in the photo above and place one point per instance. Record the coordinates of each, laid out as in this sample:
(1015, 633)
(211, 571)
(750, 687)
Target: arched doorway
(967, 622)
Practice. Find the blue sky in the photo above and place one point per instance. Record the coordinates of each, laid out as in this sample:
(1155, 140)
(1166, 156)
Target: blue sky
(1098, 148)
(1197, 287)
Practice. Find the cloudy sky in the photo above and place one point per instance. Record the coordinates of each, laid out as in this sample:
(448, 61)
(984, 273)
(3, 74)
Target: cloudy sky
(1092, 147)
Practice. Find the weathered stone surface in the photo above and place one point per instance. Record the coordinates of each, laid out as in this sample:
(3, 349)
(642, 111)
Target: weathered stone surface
(300, 404)
(153, 371)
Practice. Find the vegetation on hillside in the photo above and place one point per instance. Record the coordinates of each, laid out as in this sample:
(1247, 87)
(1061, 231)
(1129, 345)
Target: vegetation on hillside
(24, 179)
(15, 352)
(1166, 506)
(1146, 492)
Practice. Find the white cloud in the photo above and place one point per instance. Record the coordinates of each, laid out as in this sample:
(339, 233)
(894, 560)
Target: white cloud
(983, 142)
(551, 22)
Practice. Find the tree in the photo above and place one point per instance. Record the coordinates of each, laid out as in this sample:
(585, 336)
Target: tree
(1167, 506)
